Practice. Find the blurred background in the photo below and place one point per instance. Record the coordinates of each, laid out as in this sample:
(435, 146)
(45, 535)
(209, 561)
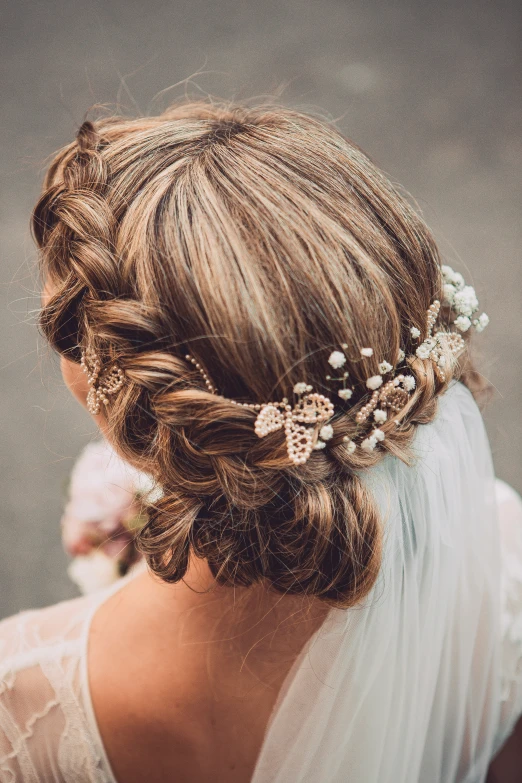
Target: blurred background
(430, 90)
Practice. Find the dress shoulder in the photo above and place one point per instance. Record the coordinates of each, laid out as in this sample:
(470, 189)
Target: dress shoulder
(44, 731)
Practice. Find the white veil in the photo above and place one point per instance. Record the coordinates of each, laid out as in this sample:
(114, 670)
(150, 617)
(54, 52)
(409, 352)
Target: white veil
(408, 687)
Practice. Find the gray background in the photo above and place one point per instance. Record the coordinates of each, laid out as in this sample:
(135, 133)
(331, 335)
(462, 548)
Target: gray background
(429, 89)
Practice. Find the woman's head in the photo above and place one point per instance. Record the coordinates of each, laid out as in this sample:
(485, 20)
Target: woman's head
(258, 241)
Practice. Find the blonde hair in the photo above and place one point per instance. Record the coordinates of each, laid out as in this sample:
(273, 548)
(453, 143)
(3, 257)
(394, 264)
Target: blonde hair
(257, 240)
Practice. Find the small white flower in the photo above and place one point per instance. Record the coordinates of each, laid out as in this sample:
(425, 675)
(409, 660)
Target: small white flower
(374, 382)
(345, 394)
(447, 272)
(366, 351)
(424, 350)
(337, 359)
(350, 446)
(481, 322)
(409, 383)
(300, 388)
(377, 434)
(344, 346)
(415, 332)
(320, 444)
(369, 444)
(465, 302)
(458, 281)
(385, 367)
(380, 416)
(326, 432)
(401, 356)
(449, 292)
(462, 323)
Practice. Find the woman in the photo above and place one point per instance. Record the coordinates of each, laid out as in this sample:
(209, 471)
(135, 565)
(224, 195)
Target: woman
(256, 318)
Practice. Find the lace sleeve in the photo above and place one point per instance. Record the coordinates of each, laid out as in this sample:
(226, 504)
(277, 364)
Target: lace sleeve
(44, 735)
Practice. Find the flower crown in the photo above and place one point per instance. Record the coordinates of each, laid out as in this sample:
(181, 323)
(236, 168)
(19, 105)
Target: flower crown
(305, 423)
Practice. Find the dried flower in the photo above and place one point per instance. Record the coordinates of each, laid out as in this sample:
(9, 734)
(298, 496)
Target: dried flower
(424, 350)
(367, 352)
(385, 367)
(319, 444)
(350, 446)
(465, 302)
(326, 432)
(401, 356)
(448, 293)
(481, 322)
(336, 359)
(377, 434)
(300, 388)
(374, 382)
(409, 383)
(369, 444)
(380, 416)
(345, 394)
(415, 332)
(462, 323)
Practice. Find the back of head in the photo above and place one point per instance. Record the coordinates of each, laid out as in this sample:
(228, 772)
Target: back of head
(258, 241)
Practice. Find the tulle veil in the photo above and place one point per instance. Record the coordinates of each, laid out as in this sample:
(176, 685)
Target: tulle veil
(408, 686)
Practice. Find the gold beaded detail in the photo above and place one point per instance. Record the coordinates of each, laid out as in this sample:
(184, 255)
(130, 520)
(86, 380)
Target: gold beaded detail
(299, 422)
(393, 395)
(102, 383)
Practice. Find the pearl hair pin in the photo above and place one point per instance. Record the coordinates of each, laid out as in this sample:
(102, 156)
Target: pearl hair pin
(299, 422)
(102, 383)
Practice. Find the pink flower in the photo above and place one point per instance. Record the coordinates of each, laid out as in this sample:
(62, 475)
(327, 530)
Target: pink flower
(103, 509)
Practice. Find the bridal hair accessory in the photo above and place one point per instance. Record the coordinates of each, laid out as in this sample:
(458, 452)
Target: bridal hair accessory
(305, 423)
(102, 383)
(298, 422)
(389, 397)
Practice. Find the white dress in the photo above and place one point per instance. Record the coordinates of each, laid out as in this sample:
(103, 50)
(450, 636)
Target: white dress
(421, 684)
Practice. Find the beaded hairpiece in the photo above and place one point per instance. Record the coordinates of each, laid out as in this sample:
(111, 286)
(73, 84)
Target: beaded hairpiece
(102, 383)
(305, 423)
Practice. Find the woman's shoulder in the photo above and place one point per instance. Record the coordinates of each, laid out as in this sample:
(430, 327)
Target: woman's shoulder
(37, 633)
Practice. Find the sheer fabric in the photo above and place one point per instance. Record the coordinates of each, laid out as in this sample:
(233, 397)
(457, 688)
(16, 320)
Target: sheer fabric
(422, 683)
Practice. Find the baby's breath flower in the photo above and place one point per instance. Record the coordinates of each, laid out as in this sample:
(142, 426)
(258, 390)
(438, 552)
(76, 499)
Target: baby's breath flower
(401, 356)
(326, 432)
(337, 359)
(350, 447)
(414, 332)
(377, 434)
(409, 383)
(462, 323)
(424, 350)
(448, 293)
(366, 351)
(380, 416)
(481, 322)
(458, 281)
(369, 444)
(465, 302)
(345, 394)
(374, 382)
(385, 367)
(300, 388)
(320, 444)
